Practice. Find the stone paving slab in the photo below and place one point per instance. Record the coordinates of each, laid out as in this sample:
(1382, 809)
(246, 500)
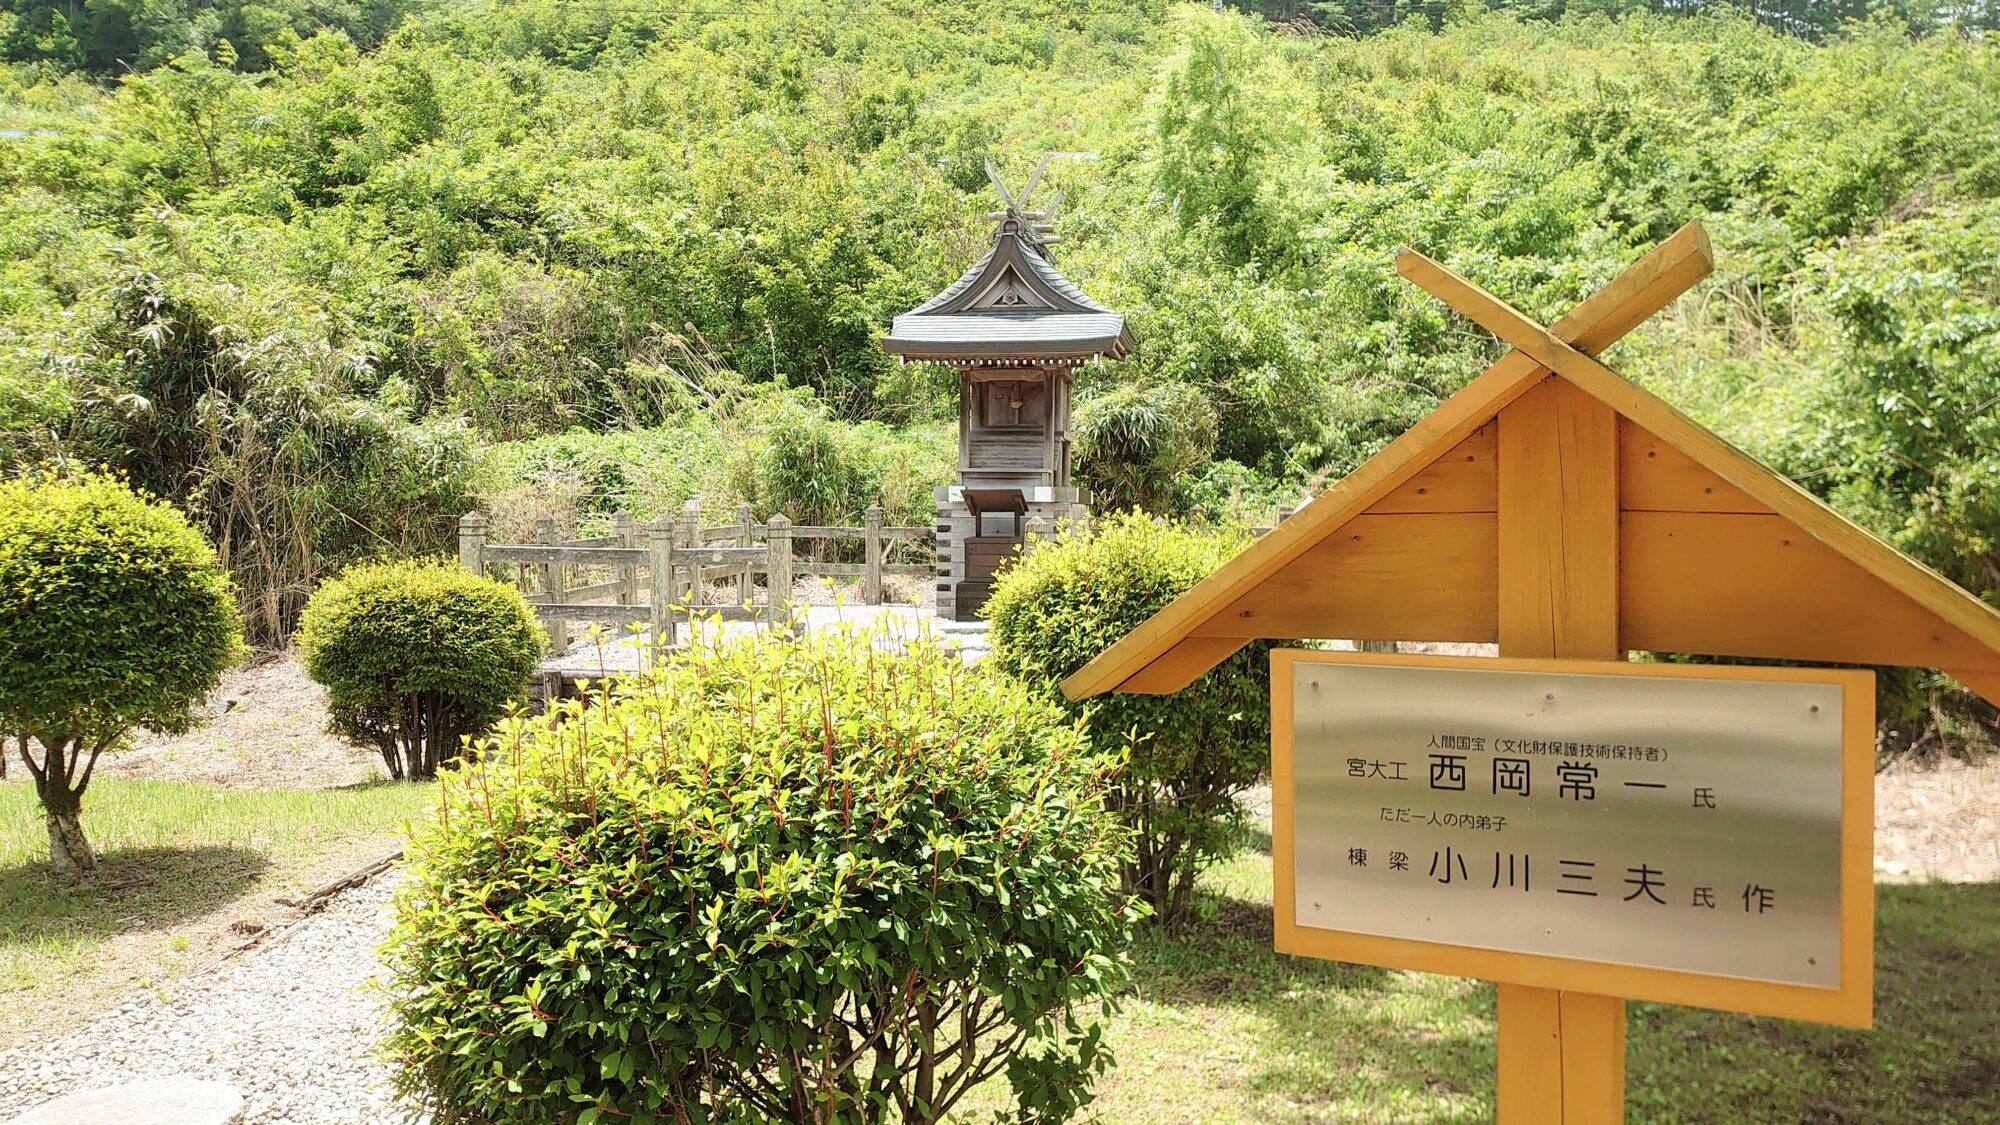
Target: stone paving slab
(159, 1101)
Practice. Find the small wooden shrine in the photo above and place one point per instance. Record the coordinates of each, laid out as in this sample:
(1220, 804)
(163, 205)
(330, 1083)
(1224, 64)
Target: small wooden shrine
(1016, 330)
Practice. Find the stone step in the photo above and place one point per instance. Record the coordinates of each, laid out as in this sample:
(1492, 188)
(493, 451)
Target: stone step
(158, 1101)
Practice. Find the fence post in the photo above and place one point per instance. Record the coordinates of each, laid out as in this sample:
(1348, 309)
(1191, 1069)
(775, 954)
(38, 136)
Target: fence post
(552, 581)
(746, 536)
(472, 543)
(626, 574)
(660, 560)
(871, 556)
(778, 543)
(691, 539)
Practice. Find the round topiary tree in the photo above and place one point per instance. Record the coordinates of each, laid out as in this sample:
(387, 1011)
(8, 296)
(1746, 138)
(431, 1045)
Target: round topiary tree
(114, 614)
(813, 881)
(416, 656)
(1063, 603)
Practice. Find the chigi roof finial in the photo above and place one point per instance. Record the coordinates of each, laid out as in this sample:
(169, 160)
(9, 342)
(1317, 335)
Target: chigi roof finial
(1034, 226)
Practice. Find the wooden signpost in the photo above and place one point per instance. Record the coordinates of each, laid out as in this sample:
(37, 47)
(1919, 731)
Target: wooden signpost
(1570, 516)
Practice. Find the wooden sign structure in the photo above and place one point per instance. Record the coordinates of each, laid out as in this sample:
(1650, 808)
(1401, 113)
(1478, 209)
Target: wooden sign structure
(1565, 513)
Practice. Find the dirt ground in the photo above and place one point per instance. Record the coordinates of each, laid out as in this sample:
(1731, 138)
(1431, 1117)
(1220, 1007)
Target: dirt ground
(267, 731)
(1939, 822)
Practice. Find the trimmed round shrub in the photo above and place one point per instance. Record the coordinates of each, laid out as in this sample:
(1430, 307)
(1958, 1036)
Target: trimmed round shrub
(826, 880)
(1191, 752)
(417, 656)
(114, 614)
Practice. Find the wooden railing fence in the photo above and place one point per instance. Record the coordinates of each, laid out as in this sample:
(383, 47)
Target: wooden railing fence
(670, 567)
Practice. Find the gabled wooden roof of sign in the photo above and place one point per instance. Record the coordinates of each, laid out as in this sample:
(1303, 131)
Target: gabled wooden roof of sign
(1013, 305)
(1718, 555)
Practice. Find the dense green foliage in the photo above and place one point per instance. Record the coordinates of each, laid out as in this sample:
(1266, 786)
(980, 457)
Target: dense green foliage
(1139, 446)
(813, 881)
(1905, 388)
(418, 656)
(110, 36)
(780, 452)
(1191, 753)
(320, 287)
(114, 614)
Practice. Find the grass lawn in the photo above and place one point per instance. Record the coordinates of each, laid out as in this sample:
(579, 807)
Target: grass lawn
(1221, 1029)
(179, 861)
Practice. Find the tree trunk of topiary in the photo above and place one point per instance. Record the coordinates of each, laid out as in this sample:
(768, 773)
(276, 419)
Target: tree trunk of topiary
(415, 736)
(427, 732)
(407, 745)
(69, 852)
(61, 794)
(391, 758)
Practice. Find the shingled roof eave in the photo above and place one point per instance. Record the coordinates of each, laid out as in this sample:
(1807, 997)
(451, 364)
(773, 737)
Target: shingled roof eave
(1010, 248)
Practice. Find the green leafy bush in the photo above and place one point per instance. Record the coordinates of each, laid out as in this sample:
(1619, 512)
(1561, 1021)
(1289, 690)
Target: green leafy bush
(416, 656)
(1138, 446)
(1909, 364)
(1229, 494)
(114, 614)
(812, 881)
(805, 465)
(1191, 752)
(795, 458)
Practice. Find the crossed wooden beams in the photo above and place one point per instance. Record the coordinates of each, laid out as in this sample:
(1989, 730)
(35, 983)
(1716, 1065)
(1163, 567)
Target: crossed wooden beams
(1704, 549)
(1629, 300)
(1571, 354)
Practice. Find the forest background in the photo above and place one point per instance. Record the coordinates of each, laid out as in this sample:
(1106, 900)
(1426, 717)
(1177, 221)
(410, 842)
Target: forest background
(330, 272)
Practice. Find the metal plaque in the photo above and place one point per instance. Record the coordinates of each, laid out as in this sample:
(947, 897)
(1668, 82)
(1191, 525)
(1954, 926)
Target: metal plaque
(1677, 823)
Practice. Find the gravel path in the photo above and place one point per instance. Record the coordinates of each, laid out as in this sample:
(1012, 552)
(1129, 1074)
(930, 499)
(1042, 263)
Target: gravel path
(288, 1025)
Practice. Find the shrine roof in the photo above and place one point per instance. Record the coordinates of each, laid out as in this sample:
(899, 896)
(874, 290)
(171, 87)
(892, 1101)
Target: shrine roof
(1012, 305)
